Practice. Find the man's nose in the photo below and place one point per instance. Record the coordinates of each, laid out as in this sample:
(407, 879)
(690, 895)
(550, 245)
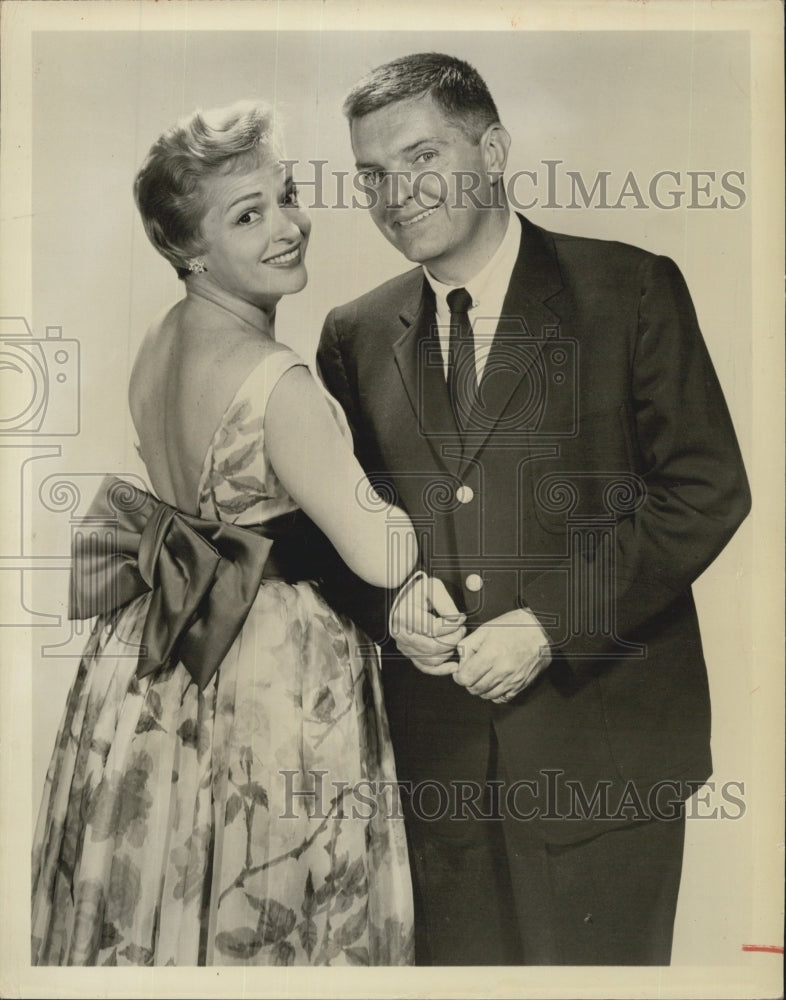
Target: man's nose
(397, 188)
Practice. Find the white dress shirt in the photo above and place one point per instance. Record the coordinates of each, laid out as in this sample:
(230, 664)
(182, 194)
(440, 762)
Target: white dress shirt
(488, 289)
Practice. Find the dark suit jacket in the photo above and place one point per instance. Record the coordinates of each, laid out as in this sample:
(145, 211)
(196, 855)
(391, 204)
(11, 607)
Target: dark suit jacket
(603, 469)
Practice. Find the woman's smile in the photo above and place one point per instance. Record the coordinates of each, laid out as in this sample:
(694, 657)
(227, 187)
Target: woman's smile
(284, 259)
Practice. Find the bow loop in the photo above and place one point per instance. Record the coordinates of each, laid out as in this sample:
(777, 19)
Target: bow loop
(152, 539)
(203, 576)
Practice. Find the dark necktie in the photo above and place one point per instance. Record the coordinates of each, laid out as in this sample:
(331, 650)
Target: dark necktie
(462, 380)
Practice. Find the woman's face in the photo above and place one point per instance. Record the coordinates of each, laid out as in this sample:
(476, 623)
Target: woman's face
(256, 235)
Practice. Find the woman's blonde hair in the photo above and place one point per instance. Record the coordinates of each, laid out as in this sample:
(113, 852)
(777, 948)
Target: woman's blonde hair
(168, 187)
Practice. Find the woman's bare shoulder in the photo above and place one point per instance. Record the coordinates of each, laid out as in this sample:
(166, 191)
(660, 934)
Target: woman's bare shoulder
(181, 355)
(188, 372)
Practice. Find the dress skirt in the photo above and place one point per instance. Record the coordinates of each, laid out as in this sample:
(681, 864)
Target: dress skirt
(253, 823)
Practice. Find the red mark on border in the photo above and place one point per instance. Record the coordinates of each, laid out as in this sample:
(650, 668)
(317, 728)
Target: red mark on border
(775, 949)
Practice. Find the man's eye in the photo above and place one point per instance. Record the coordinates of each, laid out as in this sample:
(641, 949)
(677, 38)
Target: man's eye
(426, 156)
(291, 198)
(248, 217)
(372, 178)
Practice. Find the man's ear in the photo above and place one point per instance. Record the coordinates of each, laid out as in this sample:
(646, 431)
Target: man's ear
(494, 144)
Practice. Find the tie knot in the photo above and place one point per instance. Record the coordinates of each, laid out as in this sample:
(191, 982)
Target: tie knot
(459, 300)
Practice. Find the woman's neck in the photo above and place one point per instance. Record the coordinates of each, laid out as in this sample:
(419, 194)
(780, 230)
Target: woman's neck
(260, 319)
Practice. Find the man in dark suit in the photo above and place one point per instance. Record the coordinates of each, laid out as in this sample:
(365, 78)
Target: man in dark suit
(544, 408)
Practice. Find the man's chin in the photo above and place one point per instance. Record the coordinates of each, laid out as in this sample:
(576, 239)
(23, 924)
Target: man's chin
(416, 254)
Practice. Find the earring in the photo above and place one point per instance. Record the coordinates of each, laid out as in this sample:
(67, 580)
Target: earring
(196, 265)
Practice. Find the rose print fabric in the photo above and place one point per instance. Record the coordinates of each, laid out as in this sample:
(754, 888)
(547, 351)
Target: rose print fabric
(255, 823)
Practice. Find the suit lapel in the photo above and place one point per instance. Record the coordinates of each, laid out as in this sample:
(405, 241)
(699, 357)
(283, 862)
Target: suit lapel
(514, 386)
(514, 383)
(419, 359)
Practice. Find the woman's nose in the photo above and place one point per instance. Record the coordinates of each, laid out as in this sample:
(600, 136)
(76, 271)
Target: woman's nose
(289, 224)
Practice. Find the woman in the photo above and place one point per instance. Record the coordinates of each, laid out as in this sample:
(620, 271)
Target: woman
(200, 806)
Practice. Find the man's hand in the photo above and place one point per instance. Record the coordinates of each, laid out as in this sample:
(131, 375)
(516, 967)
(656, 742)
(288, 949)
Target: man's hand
(426, 625)
(504, 656)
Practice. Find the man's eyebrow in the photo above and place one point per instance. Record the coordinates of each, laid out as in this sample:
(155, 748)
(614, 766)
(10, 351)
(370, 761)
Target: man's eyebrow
(421, 142)
(404, 151)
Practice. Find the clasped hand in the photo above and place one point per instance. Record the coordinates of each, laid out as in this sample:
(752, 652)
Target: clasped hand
(503, 656)
(496, 662)
(426, 625)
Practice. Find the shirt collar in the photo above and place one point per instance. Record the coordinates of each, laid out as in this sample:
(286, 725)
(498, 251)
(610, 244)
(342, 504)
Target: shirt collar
(496, 272)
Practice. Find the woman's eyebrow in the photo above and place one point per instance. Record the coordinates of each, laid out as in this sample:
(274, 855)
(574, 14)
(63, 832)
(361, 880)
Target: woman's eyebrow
(245, 197)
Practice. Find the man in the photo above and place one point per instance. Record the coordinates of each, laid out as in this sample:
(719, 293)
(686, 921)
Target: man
(545, 409)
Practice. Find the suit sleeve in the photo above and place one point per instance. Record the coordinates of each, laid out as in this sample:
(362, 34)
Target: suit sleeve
(696, 490)
(345, 592)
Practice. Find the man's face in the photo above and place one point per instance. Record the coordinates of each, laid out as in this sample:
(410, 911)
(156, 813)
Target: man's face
(421, 169)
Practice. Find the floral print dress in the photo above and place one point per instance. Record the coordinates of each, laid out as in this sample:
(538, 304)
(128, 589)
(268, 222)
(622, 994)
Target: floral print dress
(255, 822)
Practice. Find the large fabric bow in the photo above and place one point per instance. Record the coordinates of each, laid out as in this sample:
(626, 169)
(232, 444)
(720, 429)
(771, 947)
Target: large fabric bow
(204, 575)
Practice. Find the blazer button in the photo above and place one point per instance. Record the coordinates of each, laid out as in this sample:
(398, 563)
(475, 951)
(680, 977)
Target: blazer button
(465, 494)
(474, 582)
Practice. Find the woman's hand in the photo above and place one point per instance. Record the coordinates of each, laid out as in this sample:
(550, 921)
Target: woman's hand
(426, 625)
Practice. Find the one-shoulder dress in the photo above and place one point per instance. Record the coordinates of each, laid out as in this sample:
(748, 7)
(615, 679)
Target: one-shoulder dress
(254, 822)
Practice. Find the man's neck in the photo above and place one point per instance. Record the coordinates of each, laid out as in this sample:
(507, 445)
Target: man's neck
(462, 267)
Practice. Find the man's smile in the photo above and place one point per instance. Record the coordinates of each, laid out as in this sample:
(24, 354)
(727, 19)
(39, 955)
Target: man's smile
(417, 218)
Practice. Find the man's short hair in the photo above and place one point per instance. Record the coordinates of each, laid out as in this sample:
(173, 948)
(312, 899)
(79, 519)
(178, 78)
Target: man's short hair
(455, 86)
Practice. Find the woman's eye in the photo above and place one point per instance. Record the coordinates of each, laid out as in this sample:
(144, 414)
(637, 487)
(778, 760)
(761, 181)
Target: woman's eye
(248, 217)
